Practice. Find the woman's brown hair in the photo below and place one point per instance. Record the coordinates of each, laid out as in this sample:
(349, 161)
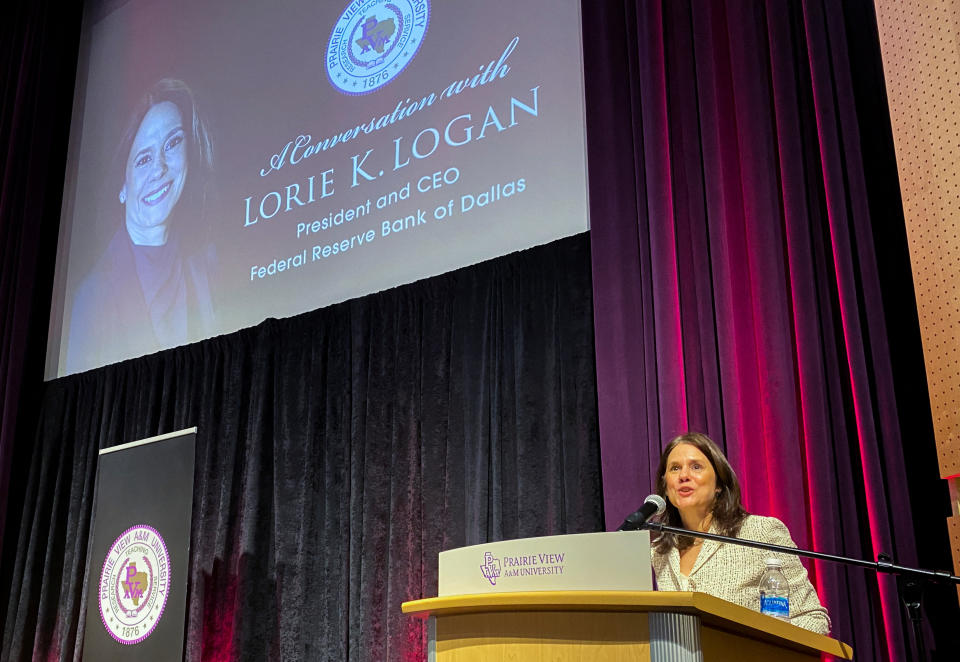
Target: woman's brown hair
(728, 513)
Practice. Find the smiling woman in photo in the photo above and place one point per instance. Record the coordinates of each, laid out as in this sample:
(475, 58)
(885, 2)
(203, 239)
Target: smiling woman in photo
(703, 494)
(150, 289)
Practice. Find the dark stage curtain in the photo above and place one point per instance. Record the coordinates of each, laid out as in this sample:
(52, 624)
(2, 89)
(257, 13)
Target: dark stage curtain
(744, 282)
(338, 452)
(38, 46)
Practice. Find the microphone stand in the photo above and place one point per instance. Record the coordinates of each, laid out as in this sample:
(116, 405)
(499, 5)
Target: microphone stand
(910, 581)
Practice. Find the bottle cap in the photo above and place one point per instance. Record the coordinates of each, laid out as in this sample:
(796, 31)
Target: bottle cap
(773, 563)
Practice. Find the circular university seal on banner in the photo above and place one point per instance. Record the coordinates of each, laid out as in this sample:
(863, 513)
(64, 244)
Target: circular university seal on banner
(134, 584)
(372, 41)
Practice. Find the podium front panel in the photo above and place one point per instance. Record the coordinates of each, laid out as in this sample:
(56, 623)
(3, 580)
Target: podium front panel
(618, 561)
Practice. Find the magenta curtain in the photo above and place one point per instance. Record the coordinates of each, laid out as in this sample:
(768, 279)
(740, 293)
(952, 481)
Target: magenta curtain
(736, 284)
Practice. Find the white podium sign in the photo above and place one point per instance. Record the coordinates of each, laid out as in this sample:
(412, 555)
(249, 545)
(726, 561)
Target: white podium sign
(618, 561)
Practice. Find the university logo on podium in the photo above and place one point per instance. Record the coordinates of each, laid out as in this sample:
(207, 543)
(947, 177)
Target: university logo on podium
(490, 568)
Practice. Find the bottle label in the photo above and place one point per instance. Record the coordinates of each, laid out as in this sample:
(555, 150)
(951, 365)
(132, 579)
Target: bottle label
(772, 606)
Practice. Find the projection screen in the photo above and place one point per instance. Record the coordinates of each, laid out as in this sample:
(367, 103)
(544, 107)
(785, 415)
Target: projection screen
(234, 161)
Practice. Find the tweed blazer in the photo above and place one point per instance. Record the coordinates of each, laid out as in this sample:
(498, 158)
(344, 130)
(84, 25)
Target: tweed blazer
(732, 572)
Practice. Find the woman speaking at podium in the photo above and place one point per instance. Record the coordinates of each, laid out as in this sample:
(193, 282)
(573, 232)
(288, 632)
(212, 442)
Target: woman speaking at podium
(703, 494)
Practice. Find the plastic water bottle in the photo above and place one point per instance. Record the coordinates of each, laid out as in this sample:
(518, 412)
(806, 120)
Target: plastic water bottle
(774, 591)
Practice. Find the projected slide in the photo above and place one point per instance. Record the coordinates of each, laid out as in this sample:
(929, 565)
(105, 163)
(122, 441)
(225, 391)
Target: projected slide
(231, 162)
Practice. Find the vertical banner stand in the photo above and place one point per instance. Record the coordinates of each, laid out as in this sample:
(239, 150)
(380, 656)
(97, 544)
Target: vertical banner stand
(137, 569)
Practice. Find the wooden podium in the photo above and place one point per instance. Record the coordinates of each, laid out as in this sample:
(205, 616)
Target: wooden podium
(561, 626)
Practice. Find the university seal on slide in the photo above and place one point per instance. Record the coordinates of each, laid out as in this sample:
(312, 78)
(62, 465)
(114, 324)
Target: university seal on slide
(372, 41)
(134, 584)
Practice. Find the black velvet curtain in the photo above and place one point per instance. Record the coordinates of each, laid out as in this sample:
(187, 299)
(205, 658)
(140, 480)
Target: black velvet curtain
(338, 452)
(38, 46)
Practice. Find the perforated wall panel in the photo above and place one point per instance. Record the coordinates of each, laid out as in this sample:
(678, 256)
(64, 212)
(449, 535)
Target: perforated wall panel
(920, 42)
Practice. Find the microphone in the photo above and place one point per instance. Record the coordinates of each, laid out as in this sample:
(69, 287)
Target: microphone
(652, 505)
